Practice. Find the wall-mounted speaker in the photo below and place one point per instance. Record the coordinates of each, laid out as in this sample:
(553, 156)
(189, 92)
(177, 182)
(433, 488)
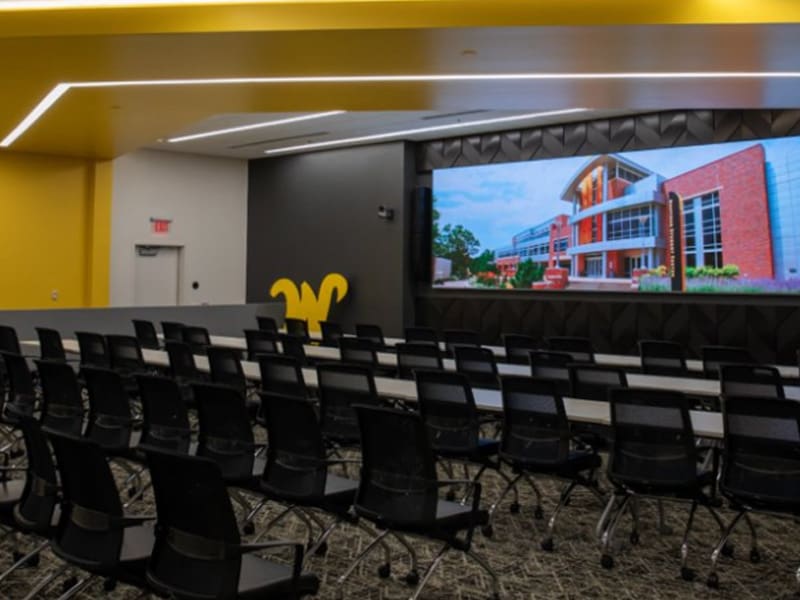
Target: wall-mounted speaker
(421, 227)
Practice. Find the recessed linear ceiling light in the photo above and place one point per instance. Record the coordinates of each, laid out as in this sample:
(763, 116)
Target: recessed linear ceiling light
(205, 134)
(23, 5)
(409, 132)
(59, 90)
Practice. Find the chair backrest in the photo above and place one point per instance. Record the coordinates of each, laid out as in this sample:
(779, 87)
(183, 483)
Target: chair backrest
(145, 332)
(662, 358)
(166, 420)
(460, 337)
(478, 364)
(197, 338)
(172, 330)
(51, 347)
(553, 366)
(282, 375)
(358, 351)
(715, 356)
(225, 436)
(297, 328)
(125, 353)
(518, 348)
(296, 467)
(421, 334)
(411, 356)
(760, 461)
(448, 410)
(580, 348)
(398, 484)
(267, 324)
(62, 403)
(21, 390)
(34, 512)
(331, 333)
(340, 386)
(92, 347)
(756, 381)
(293, 346)
(535, 425)
(181, 360)
(653, 440)
(9, 342)
(226, 367)
(110, 422)
(190, 557)
(260, 342)
(374, 333)
(592, 382)
(89, 532)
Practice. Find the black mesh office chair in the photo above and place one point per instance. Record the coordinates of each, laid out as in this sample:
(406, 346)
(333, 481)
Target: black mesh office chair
(341, 385)
(267, 324)
(363, 352)
(9, 342)
(396, 449)
(165, 422)
(198, 553)
(125, 357)
(282, 375)
(197, 338)
(51, 346)
(93, 533)
(411, 356)
(62, 402)
(21, 397)
(226, 369)
(654, 454)
(715, 356)
(295, 347)
(145, 333)
(519, 347)
(172, 330)
(662, 358)
(760, 465)
(331, 333)
(93, 350)
(478, 364)
(298, 328)
(424, 335)
(756, 381)
(260, 342)
(537, 440)
(459, 337)
(552, 366)
(592, 382)
(374, 333)
(580, 349)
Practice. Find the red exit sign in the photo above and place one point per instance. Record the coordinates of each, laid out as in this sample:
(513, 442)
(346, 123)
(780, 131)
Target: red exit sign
(160, 225)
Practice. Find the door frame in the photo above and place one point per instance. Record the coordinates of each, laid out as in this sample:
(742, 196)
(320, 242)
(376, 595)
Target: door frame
(180, 246)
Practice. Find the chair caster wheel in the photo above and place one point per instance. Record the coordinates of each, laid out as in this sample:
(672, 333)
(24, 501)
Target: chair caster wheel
(450, 496)
(713, 581)
(755, 556)
(607, 561)
(727, 550)
(634, 538)
(487, 531)
(514, 508)
(687, 574)
(110, 584)
(412, 578)
(538, 514)
(384, 571)
(547, 545)
(322, 550)
(68, 584)
(249, 528)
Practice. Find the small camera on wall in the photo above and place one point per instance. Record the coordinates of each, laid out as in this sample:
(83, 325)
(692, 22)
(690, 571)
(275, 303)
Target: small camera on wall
(384, 212)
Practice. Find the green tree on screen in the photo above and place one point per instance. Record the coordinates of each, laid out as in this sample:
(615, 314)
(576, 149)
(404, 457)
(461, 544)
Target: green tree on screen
(527, 272)
(458, 244)
(483, 263)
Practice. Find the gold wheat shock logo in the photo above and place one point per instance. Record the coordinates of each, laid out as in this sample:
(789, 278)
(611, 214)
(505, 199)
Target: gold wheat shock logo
(303, 303)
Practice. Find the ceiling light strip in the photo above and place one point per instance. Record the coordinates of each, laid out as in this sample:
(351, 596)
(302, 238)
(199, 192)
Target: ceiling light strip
(41, 108)
(28, 5)
(216, 132)
(409, 132)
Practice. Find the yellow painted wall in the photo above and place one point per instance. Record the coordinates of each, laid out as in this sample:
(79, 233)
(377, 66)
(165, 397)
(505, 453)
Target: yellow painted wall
(54, 231)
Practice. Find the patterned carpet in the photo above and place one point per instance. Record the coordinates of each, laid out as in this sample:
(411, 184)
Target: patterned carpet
(648, 570)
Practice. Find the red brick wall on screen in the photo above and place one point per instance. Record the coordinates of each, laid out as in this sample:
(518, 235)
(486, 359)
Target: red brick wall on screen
(743, 204)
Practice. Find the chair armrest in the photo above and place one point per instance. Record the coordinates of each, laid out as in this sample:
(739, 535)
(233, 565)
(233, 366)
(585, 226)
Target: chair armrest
(298, 553)
(476, 500)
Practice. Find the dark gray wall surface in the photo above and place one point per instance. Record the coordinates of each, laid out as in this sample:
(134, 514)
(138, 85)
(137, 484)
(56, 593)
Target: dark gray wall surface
(219, 320)
(313, 214)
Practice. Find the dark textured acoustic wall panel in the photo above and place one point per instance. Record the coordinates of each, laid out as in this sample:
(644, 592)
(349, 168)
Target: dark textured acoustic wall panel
(769, 326)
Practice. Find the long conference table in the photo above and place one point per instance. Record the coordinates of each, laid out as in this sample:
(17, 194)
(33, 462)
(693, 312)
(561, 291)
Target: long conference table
(706, 424)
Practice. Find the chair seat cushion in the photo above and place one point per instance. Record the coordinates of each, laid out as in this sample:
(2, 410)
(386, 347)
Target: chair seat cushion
(259, 578)
(10, 493)
(454, 516)
(340, 489)
(137, 543)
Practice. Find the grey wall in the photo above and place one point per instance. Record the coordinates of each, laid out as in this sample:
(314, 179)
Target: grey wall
(309, 215)
(220, 320)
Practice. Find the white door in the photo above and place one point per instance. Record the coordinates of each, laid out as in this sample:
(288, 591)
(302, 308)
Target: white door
(156, 275)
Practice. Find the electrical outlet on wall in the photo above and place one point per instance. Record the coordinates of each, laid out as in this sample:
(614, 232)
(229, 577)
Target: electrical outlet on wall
(54, 295)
